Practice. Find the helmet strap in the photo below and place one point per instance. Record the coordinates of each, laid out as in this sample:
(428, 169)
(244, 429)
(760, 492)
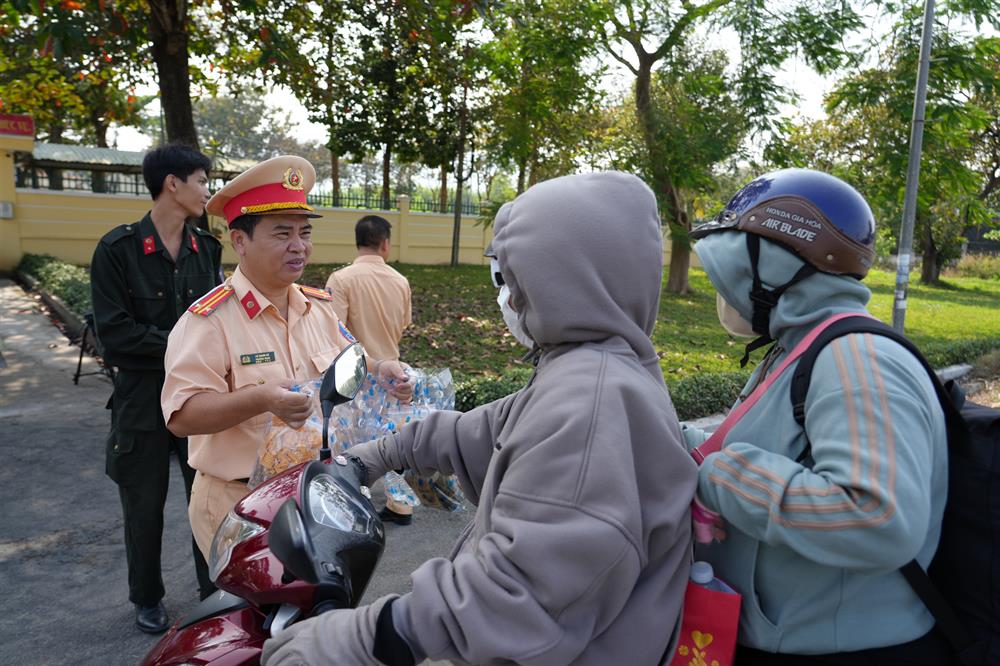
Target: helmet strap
(764, 300)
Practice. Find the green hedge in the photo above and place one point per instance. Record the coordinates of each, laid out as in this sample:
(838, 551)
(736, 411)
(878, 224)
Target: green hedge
(693, 397)
(69, 282)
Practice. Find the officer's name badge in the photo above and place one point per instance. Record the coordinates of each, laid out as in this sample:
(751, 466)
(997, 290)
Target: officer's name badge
(255, 359)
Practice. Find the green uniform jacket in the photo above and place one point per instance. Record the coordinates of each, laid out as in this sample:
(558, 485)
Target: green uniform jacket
(139, 293)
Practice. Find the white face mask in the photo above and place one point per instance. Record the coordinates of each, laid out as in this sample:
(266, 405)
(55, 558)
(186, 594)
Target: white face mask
(510, 318)
(731, 320)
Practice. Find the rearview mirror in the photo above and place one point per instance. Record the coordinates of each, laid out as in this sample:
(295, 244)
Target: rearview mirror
(344, 376)
(340, 384)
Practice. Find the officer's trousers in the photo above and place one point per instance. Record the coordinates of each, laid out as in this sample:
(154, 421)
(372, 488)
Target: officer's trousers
(143, 493)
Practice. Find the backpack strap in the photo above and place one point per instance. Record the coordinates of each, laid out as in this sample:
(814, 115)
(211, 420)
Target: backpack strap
(715, 441)
(958, 442)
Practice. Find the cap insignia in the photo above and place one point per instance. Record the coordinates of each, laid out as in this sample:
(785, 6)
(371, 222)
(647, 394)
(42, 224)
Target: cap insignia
(292, 180)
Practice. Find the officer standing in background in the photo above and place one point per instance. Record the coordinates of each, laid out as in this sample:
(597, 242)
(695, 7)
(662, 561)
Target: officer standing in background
(373, 299)
(143, 277)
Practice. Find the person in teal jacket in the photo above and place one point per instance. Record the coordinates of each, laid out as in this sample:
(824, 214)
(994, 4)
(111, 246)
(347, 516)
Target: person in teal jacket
(814, 543)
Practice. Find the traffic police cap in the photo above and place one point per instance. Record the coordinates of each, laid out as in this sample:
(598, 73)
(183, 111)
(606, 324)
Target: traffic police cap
(275, 186)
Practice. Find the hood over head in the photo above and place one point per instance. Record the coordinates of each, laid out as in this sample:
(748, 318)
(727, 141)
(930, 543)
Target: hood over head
(726, 259)
(583, 257)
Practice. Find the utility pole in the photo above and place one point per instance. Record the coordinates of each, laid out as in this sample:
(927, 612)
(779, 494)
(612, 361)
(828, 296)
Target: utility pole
(904, 251)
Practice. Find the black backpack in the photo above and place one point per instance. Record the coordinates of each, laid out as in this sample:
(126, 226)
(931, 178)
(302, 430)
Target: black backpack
(961, 588)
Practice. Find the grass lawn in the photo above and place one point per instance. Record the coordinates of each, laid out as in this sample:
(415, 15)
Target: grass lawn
(457, 322)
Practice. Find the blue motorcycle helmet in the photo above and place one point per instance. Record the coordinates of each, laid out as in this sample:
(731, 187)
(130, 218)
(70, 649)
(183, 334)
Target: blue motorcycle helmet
(815, 216)
(818, 217)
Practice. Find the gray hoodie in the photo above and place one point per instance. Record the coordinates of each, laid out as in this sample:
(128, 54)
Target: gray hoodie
(580, 546)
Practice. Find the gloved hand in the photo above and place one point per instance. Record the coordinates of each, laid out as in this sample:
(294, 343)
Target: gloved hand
(342, 637)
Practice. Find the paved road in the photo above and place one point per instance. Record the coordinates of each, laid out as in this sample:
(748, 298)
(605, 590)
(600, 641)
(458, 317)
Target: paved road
(63, 588)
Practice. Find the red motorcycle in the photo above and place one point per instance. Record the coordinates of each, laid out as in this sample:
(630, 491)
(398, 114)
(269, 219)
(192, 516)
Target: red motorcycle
(302, 543)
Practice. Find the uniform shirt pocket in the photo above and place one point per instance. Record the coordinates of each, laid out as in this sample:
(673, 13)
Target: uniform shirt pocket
(254, 368)
(150, 302)
(322, 360)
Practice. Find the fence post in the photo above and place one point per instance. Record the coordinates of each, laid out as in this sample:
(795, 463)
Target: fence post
(402, 240)
(10, 228)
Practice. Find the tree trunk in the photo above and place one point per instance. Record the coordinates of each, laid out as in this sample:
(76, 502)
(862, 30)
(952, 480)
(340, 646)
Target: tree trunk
(930, 266)
(521, 169)
(335, 177)
(169, 37)
(386, 161)
(463, 116)
(443, 192)
(55, 175)
(671, 206)
(98, 179)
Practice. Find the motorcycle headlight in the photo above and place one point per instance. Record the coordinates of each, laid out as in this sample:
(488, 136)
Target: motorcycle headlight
(330, 505)
(233, 530)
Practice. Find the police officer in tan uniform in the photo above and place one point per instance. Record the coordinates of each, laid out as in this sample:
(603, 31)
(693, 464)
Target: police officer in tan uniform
(373, 299)
(234, 354)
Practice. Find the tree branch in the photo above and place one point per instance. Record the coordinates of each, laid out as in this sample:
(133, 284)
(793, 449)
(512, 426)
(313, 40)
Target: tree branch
(689, 17)
(614, 54)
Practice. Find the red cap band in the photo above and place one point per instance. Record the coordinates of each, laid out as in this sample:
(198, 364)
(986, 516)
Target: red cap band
(272, 197)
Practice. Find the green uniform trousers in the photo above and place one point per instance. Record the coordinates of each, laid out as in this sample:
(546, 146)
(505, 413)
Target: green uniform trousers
(140, 463)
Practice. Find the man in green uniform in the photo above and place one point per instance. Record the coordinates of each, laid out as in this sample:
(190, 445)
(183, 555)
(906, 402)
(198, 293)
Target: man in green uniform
(143, 277)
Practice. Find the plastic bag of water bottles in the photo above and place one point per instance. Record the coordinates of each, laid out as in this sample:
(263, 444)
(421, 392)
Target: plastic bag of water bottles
(375, 413)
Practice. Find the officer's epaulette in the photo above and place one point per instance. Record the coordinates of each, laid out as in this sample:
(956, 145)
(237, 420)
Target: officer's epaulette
(118, 233)
(315, 293)
(207, 304)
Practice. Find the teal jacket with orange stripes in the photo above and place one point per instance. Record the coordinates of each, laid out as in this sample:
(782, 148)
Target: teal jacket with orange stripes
(814, 547)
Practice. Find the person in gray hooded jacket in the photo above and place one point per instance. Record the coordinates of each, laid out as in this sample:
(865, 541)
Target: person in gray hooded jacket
(581, 542)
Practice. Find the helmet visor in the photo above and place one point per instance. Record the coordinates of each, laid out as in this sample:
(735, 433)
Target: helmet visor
(726, 220)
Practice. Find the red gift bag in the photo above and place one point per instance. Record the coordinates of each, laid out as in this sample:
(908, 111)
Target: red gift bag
(708, 627)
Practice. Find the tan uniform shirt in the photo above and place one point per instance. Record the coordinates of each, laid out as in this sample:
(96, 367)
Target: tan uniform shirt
(374, 300)
(242, 341)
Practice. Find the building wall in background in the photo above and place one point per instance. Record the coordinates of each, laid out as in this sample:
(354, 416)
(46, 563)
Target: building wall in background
(69, 224)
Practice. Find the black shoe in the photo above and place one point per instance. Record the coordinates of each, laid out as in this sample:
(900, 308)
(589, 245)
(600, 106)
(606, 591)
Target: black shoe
(389, 516)
(152, 619)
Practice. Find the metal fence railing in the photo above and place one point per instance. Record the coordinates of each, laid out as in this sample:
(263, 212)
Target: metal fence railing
(104, 182)
(113, 182)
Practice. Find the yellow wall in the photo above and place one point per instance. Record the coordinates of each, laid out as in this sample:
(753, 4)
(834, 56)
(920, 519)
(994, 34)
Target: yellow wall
(68, 225)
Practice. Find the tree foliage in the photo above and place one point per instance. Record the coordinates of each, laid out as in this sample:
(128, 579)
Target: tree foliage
(542, 93)
(866, 138)
(642, 33)
(70, 64)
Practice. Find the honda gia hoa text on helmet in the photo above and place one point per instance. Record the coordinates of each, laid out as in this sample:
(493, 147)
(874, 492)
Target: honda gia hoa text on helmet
(819, 217)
